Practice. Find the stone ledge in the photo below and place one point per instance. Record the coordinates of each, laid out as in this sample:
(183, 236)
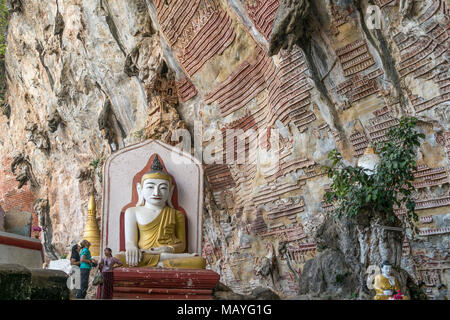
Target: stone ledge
(15, 282)
(49, 285)
(20, 283)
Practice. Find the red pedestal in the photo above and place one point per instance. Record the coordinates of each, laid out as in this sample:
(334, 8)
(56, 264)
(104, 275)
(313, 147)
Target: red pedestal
(159, 283)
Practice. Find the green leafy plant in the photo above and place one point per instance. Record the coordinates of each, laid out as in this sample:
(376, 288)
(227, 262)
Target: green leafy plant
(139, 134)
(3, 28)
(100, 176)
(98, 163)
(354, 191)
(340, 278)
(94, 163)
(353, 296)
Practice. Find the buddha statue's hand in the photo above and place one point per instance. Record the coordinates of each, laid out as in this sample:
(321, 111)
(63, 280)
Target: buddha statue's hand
(162, 249)
(387, 292)
(133, 255)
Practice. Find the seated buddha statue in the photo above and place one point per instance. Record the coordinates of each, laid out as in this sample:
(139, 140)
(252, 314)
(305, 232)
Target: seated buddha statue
(386, 285)
(155, 234)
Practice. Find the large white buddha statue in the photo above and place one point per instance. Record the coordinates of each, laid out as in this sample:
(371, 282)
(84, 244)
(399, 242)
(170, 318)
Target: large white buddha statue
(155, 234)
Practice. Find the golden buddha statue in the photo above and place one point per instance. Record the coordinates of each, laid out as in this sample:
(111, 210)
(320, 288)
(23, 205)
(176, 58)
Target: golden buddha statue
(386, 285)
(155, 234)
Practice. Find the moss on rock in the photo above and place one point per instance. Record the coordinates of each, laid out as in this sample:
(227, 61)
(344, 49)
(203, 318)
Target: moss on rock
(20, 283)
(15, 282)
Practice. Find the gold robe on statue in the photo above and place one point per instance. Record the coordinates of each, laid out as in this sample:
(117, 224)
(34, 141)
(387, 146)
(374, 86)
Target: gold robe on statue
(167, 229)
(382, 283)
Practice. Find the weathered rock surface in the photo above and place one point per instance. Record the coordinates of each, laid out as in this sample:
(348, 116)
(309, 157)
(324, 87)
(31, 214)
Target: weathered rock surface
(348, 247)
(328, 275)
(15, 282)
(86, 78)
(63, 68)
(291, 21)
(222, 292)
(2, 219)
(20, 283)
(49, 285)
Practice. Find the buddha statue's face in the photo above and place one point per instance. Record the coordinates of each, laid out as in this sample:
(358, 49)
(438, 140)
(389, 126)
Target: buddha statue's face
(386, 269)
(156, 191)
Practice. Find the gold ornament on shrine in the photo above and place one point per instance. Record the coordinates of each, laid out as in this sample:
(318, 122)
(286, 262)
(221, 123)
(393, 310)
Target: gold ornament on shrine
(91, 230)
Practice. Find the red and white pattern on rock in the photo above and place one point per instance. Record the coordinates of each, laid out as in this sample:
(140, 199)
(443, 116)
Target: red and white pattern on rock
(431, 11)
(219, 177)
(360, 87)
(286, 166)
(427, 204)
(242, 85)
(359, 142)
(381, 123)
(355, 57)
(289, 92)
(245, 173)
(245, 128)
(339, 18)
(186, 90)
(216, 35)
(298, 251)
(426, 57)
(262, 13)
(287, 234)
(431, 268)
(289, 211)
(384, 3)
(443, 139)
(288, 88)
(175, 16)
(426, 177)
(271, 92)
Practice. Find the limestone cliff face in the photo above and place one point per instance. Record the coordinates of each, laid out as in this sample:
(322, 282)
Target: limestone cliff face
(71, 101)
(86, 78)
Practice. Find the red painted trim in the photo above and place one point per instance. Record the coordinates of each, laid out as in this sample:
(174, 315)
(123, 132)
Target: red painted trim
(157, 283)
(21, 243)
(163, 291)
(165, 278)
(143, 296)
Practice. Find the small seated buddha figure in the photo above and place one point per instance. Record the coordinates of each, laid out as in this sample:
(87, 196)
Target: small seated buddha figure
(386, 285)
(155, 234)
(442, 289)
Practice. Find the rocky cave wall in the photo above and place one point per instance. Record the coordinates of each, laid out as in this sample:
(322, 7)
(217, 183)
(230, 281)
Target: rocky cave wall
(86, 78)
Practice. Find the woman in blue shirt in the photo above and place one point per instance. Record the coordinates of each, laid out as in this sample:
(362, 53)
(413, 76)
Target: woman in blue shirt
(85, 268)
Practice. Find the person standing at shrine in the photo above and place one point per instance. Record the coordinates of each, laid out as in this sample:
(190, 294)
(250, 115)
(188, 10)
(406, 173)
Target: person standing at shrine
(85, 268)
(75, 262)
(75, 256)
(108, 263)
